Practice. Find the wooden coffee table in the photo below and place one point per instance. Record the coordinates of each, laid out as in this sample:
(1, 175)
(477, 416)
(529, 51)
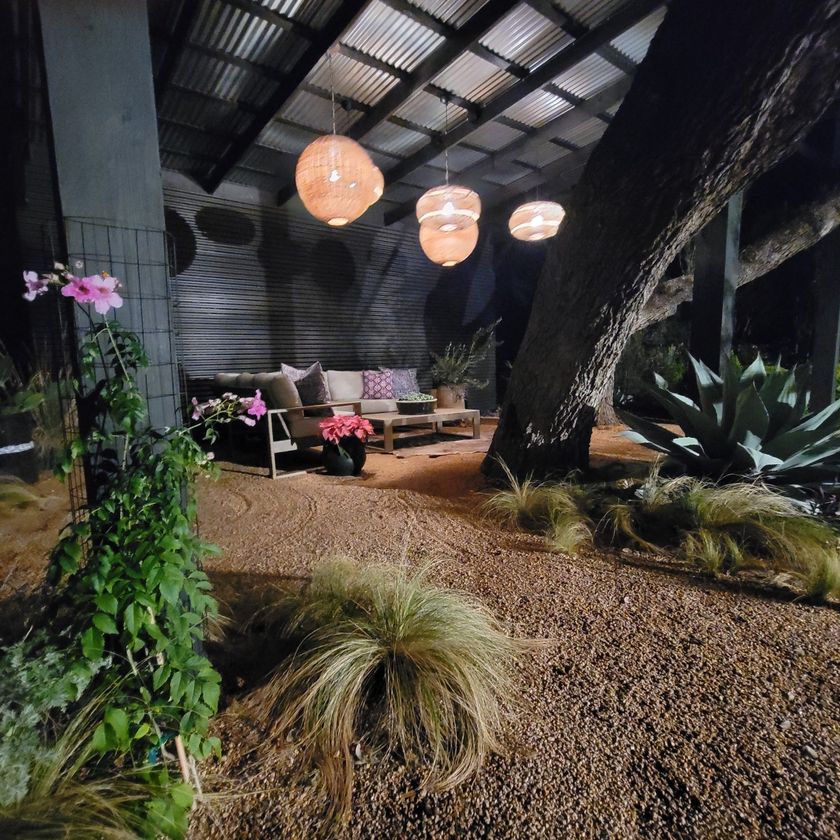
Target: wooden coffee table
(389, 420)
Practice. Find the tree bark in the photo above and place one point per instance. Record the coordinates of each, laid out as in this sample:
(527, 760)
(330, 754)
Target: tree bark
(725, 91)
(800, 229)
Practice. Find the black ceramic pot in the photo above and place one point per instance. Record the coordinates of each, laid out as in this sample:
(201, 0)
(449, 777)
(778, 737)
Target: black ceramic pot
(347, 462)
(416, 406)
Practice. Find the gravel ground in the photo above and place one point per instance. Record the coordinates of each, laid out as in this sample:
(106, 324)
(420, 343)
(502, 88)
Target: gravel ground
(668, 706)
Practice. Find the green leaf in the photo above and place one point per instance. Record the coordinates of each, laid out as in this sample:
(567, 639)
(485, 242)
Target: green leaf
(117, 719)
(709, 388)
(92, 644)
(751, 418)
(107, 603)
(105, 623)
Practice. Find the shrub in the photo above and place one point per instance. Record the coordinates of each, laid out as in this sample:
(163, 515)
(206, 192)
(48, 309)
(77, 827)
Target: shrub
(749, 424)
(384, 655)
(455, 366)
(558, 510)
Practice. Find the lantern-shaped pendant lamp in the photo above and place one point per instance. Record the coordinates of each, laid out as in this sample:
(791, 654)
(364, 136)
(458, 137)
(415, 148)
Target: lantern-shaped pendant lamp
(334, 179)
(377, 184)
(448, 208)
(448, 248)
(536, 220)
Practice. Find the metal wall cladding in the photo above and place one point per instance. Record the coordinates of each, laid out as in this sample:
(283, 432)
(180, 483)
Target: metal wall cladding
(473, 78)
(525, 37)
(590, 12)
(351, 78)
(261, 286)
(454, 12)
(391, 37)
(538, 108)
(635, 41)
(588, 77)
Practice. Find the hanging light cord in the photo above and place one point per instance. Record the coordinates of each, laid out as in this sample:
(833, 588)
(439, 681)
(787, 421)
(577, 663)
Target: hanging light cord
(332, 90)
(445, 132)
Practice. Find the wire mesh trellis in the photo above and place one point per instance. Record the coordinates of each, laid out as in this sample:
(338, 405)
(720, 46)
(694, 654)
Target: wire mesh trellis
(142, 259)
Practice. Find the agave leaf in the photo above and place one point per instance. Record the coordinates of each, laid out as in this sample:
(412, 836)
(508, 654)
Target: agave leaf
(751, 418)
(754, 373)
(819, 452)
(827, 420)
(709, 387)
(753, 460)
(647, 433)
(693, 421)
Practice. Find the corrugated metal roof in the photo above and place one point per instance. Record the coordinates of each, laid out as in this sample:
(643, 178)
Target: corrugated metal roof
(525, 37)
(221, 79)
(314, 13)
(391, 37)
(613, 109)
(201, 112)
(588, 77)
(316, 112)
(538, 108)
(395, 139)
(454, 12)
(285, 138)
(194, 142)
(585, 133)
(351, 78)
(543, 154)
(494, 136)
(427, 110)
(589, 12)
(426, 177)
(473, 78)
(506, 174)
(635, 41)
(459, 159)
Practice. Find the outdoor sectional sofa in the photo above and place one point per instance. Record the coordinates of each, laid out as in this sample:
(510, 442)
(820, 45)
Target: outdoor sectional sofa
(292, 425)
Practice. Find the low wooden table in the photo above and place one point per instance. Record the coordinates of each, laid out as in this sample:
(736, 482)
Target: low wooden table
(387, 421)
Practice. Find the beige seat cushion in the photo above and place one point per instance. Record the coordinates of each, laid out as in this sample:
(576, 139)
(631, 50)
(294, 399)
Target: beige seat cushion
(345, 384)
(225, 380)
(378, 406)
(303, 427)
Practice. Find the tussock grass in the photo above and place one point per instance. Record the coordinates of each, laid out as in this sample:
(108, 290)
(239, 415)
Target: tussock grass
(65, 800)
(558, 510)
(387, 657)
(15, 494)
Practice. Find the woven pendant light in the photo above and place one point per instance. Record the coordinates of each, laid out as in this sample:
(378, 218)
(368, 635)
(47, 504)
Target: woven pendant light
(448, 208)
(377, 184)
(333, 177)
(448, 248)
(536, 220)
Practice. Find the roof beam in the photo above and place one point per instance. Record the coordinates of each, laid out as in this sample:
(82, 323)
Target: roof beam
(175, 47)
(323, 39)
(621, 21)
(588, 108)
(274, 18)
(457, 41)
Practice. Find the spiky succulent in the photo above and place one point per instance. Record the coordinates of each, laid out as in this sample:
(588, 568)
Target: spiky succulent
(752, 422)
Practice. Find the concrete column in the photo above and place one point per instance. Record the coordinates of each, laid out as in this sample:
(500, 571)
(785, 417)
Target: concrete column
(104, 123)
(826, 341)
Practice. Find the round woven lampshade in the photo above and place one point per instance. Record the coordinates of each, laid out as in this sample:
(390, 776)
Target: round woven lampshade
(448, 248)
(377, 187)
(536, 220)
(448, 208)
(333, 178)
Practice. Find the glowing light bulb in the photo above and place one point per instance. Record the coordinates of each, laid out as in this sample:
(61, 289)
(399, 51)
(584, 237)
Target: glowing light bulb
(334, 176)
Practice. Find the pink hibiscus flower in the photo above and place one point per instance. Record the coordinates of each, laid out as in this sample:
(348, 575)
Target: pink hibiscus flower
(35, 285)
(80, 289)
(105, 289)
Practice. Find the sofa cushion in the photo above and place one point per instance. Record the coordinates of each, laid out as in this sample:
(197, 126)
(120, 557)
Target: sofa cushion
(404, 379)
(378, 406)
(312, 388)
(245, 381)
(225, 380)
(377, 385)
(296, 374)
(280, 392)
(345, 384)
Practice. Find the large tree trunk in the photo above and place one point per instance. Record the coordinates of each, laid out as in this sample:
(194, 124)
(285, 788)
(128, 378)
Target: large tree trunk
(725, 91)
(782, 237)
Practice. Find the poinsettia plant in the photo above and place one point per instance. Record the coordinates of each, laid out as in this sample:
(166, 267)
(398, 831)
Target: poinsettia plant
(336, 430)
(126, 579)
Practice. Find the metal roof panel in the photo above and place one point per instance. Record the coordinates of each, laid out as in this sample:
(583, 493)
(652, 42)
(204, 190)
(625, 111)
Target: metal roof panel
(316, 112)
(395, 139)
(588, 77)
(635, 41)
(473, 78)
(589, 12)
(454, 12)
(585, 133)
(494, 136)
(427, 110)
(351, 78)
(538, 108)
(525, 37)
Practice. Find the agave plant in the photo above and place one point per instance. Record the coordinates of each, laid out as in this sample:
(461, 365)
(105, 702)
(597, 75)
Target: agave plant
(751, 423)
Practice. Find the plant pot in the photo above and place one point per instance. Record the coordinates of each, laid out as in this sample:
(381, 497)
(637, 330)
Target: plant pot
(17, 451)
(451, 396)
(416, 406)
(347, 460)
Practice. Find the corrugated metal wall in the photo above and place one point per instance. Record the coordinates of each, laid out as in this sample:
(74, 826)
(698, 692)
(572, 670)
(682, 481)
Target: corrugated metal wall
(257, 286)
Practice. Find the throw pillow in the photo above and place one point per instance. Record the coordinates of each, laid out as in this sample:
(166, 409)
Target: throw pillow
(405, 381)
(377, 385)
(312, 387)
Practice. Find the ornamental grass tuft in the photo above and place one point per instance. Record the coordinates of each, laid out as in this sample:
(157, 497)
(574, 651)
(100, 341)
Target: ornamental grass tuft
(387, 658)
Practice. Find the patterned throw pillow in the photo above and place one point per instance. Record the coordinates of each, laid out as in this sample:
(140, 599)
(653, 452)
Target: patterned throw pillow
(404, 379)
(378, 385)
(312, 387)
